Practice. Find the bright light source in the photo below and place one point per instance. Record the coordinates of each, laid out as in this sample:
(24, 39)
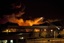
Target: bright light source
(51, 30)
(41, 17)
(11, 41)
(4, 41)
(21, 37)
(58, 28)
(36, 30)
(44, 29)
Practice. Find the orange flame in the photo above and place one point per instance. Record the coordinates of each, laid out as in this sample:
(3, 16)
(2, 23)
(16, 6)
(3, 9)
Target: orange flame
(12, 18)
(21, 22)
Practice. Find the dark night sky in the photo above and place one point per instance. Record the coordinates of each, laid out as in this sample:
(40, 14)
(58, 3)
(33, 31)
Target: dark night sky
(47, 9)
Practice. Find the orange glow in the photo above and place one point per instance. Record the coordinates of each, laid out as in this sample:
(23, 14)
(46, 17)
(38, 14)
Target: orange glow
(9, 30)
(6, 30)
(36, 30)
(45, 30)
(28, 30)
(21, 22)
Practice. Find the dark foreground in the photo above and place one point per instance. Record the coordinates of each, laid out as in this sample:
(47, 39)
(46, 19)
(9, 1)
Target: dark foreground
(46, 40)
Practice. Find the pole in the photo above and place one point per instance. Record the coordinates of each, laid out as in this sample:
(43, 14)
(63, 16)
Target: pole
(54, 34)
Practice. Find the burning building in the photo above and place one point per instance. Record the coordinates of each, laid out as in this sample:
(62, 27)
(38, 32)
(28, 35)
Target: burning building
(10, 14)
(28, 27)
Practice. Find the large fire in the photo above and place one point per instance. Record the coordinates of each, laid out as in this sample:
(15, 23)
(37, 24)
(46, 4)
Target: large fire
(13, 18)
(37, 21)
(21, 22)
